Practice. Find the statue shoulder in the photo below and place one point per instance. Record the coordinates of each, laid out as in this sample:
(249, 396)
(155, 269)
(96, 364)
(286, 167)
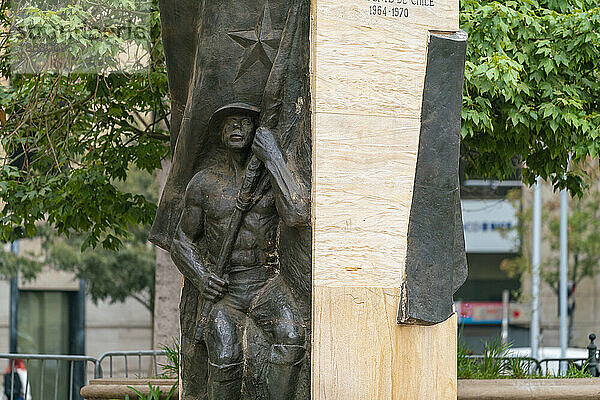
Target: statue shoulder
(203, 184)
(196, 187)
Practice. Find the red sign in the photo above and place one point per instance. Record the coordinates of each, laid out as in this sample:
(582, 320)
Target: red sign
(479, 312)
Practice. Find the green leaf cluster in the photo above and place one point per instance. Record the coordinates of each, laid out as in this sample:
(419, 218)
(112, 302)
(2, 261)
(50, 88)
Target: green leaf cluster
(110, 275)
(170, 369)
(154, 393)
(531, 89)
(83, 36)
(70, 138)
(11, 265)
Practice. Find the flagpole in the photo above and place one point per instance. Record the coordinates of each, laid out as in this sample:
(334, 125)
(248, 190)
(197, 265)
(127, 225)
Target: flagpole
(536, 240)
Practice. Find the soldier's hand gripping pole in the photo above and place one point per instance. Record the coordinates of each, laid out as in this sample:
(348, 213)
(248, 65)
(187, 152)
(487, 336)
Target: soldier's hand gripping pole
(245, 196)
(271, 104)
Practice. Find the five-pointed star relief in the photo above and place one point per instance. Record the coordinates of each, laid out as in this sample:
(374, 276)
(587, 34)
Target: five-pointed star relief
(261, 43)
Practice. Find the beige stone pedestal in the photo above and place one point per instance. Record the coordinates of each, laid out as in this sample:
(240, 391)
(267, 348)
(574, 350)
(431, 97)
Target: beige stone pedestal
(368, 61)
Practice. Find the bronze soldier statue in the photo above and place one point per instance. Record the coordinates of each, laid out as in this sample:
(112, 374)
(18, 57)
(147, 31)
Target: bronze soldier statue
(239, 85)
(253, 287)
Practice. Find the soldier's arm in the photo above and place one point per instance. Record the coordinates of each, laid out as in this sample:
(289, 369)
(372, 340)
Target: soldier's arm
(184, 249)
(291, 196)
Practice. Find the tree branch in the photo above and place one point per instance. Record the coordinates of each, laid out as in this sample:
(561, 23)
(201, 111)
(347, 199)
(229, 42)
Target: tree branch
(142, 301)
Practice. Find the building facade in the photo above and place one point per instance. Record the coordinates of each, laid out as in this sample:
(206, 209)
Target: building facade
(489, 222)
(53, 315)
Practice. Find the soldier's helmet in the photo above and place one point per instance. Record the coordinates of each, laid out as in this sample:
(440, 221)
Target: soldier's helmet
(216, 120)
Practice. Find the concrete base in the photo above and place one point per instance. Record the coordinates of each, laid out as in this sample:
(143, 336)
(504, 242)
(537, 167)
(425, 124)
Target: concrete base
(529, 389)
(104, 389)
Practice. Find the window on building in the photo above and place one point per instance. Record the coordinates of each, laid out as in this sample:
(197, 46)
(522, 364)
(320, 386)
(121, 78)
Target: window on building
(45, 326)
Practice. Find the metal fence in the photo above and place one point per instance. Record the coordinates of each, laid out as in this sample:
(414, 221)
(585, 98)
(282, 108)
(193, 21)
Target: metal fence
(546, 366)
(49, 374)
(50, 371)
(126, 356)
(61, 377)
(551, 366)
(531, 365)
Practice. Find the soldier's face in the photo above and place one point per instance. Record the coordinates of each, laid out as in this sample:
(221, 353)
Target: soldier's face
(238, 131)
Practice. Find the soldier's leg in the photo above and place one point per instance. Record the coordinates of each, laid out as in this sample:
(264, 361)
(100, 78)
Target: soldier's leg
(193, 353)
(225, 355)
(275, 311)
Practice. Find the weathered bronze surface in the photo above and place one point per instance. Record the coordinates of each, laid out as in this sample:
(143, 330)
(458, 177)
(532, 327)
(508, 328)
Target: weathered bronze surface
(235, 211)
(249, 285)
(436, 262)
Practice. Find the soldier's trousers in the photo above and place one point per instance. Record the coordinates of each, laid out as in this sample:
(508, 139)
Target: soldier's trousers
(267, 300)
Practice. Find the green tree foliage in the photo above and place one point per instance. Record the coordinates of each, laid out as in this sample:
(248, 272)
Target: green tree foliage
(111, 275)
(75, 123)
(532, 85)
(11, 265)
(83, 110)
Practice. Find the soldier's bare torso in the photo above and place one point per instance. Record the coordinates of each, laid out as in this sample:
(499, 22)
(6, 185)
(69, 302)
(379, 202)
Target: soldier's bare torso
(217, 189)
(250, 285)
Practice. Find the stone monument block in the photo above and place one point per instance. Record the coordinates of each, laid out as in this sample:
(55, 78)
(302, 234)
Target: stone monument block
(387, 236)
